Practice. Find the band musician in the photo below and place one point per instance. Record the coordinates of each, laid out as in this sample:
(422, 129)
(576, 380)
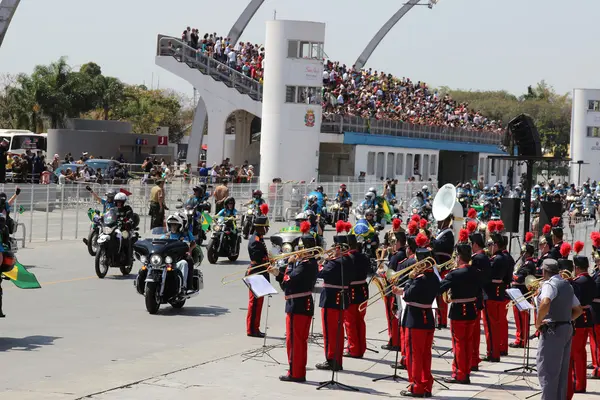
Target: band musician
(526, 268)
(443, 247)
(297, 279)
(595, 331)
(418, 326)
(463, 284)
(257, 250)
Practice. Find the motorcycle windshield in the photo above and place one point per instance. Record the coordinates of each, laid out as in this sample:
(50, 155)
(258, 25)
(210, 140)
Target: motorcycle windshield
(110, 218)
(279, 239)
(416, 202)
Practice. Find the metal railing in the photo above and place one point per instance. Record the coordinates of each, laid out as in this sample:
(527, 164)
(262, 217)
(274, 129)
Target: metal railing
(170, 46)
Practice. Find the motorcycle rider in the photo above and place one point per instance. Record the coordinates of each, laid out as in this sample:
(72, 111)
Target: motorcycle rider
(107, 203)
(129, 219)
(343, 195)
(373, 237)
(486, 214)
(426, 193)
(176, 226)
(257, 200)
(5, 208)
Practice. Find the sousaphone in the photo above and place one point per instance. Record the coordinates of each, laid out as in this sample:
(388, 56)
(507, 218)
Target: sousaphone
(445, 205)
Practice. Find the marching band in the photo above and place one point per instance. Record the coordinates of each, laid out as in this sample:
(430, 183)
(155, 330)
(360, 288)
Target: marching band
(425, 281)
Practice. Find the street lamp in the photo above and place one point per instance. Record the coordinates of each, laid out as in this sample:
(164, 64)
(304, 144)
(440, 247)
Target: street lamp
(579, 164)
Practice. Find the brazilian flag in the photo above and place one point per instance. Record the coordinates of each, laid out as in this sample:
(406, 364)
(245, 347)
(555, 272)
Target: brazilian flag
(363, 228)
(22, 278)
(207, 221)
(387, 211)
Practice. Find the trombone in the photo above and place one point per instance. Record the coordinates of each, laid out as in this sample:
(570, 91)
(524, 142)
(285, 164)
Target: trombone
(304, 253)
(533, 285)
(393, 277)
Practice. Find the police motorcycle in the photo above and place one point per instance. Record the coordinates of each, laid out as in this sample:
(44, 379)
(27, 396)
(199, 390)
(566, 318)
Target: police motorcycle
(288, 238)
(159, 279)
(92, 239)
(112, 242)
(225, 240)
(464, 198)
(417, 206)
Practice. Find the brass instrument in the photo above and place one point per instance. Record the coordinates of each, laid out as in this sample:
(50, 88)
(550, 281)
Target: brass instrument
(393, 277)
(449, 265)
(533, 284)
(332, 254)
(566, 274)
(447, 296)
(313, 252)
(446, 205)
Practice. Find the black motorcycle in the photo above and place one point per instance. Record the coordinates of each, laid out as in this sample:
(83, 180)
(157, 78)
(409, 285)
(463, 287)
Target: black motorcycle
(159, 280)
(224, 241)
(248, 220)
(112, 243)
(339, 211)
(92, 240)
(286, 240)
(195, 218)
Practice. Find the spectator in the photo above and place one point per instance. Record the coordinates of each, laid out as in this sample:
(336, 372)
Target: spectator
(203, 172)
(221, 193)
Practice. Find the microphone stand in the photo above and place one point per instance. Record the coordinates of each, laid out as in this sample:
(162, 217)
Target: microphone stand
(338, 346)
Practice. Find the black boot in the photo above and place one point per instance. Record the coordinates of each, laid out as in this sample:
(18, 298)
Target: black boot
(1, 313)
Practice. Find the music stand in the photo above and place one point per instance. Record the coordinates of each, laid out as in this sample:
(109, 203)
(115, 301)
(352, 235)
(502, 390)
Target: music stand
(522, 305)
(338, 346)
(260, 287)
(395, 377)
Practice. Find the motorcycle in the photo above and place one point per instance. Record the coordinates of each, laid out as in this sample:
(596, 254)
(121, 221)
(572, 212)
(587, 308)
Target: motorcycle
(286, 240)
(339, 211)
(195, 218)
(248, 220)
(417, 206)
(158, 280)
(224, 241)
(111, 244)
(92, 240)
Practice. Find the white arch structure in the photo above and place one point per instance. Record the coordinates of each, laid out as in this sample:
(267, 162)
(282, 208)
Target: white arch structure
(364, 56)
(7, 10)
(243, 20)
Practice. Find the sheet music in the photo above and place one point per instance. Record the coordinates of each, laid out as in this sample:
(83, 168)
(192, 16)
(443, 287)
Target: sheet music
(437, 273)
(259, 285)
(521, 303)
(434, 305)
(401, 306)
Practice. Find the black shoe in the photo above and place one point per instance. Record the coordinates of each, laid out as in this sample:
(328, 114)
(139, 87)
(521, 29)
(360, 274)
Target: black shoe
(258, 334)
(454, 380)
(580, 391)
(503, 353)
(475, 368)
(490, 359)
(427, 394)
(516, 346)
(531, 337)
(347, 354)
(407, 393)
(390, 347)
(400, 366)
(287, 378)
(329, 365)
(1, 313)
(593, 377)
(590, 366)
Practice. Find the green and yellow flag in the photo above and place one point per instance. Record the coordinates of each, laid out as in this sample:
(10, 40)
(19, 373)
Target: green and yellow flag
(206, 221)
(22, 278)
(387, 211)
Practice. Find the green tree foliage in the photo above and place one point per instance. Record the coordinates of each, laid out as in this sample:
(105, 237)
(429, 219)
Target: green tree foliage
(550, 111)
(53, 93)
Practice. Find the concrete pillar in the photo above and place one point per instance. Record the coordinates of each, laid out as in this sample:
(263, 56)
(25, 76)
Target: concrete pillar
(195, 142)
(216, 137)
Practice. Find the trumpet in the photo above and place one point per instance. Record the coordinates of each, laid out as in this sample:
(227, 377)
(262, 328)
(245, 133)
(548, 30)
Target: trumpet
(393, 277)
(332, 253)
(533, 285)
(449, 265)
(313, 252)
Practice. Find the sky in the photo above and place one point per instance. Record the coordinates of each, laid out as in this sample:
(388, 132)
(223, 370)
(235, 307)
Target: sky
(463, 44)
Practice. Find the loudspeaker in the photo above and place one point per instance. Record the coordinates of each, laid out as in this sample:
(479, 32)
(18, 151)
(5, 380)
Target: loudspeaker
(525, 135)
(510, 210)
(548, 210)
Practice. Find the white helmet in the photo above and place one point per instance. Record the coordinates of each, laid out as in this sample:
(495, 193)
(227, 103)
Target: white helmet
(120, 197)
(425, 187)
(175, 219)
(370, 196)
(372, 189)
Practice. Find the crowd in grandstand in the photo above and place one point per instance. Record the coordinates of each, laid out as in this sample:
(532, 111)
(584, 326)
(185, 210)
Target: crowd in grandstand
(348, 91)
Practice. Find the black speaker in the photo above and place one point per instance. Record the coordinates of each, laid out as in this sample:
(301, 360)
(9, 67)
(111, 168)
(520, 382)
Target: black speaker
(548, 210)
(510, 210)
(525, 135)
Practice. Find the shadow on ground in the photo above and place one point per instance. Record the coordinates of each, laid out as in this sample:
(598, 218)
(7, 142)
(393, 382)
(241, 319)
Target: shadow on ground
(28, 343)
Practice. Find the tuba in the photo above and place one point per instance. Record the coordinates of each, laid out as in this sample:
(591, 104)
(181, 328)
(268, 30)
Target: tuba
(445, 205)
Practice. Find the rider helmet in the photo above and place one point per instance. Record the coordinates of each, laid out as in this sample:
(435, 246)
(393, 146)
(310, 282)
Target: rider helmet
(425, 188)
(257, 194)
(486, 189)
(372, 189)
(110, 196)
(536, 187)
(120, 198)
(320, 188)
(467, 184)
(343, 186)
(560, 186)
(175, 223)
(230, 200)
(312, 199)
(370, 212)
(370, 196)
(418, 194)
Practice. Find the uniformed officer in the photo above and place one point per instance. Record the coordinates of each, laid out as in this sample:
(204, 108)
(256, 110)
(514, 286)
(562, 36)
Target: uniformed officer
(526, 268)
(584, 288)
(334, 300)
(418, 326)
(480, 262)
(443, 247)
(257, 250)
(510, 267)
(390, 236)
(563, 261)
(463, 282)
(354, 319)
(557, 237)
(495, 297)
(595, 331)
(557, 308)
(297, 279)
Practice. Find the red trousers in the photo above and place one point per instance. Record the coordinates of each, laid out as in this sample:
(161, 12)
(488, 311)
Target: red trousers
(255, 306)
(594, 334)
(504, 327)
(476, 359)
(441, 314)
(578, 365)
(462, 347)
(356, 330)
(522, 324)
(493, 325)
(297, 330)
(419, 343)
(333, 336)
(394, 333)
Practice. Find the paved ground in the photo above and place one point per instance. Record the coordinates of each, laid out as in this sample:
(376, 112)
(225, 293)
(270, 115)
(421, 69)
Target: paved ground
(82, 337)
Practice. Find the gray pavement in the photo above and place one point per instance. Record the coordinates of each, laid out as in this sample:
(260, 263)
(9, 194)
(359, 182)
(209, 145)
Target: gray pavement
(82, 337)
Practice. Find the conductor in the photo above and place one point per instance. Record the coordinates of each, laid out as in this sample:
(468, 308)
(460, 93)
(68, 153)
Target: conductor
(558, 307)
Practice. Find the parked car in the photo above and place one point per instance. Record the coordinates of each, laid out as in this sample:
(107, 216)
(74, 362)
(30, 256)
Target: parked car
(93, 163)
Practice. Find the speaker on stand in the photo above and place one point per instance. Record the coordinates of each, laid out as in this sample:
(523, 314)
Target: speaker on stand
(510, 213)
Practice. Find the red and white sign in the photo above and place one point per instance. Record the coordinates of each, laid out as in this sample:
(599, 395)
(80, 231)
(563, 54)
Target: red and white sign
(163, 140)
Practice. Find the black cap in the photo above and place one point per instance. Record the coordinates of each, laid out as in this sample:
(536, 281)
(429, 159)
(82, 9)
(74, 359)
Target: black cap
(261, 220)
(564, 263)
(423, 253)
(411, 242)
(498, 238)
(340, 239)
(477, 238)
(581, 262)
(352, 242)
(528, 248)
(557, 231)
(308, 241)
(400, 236)
(464, 250)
